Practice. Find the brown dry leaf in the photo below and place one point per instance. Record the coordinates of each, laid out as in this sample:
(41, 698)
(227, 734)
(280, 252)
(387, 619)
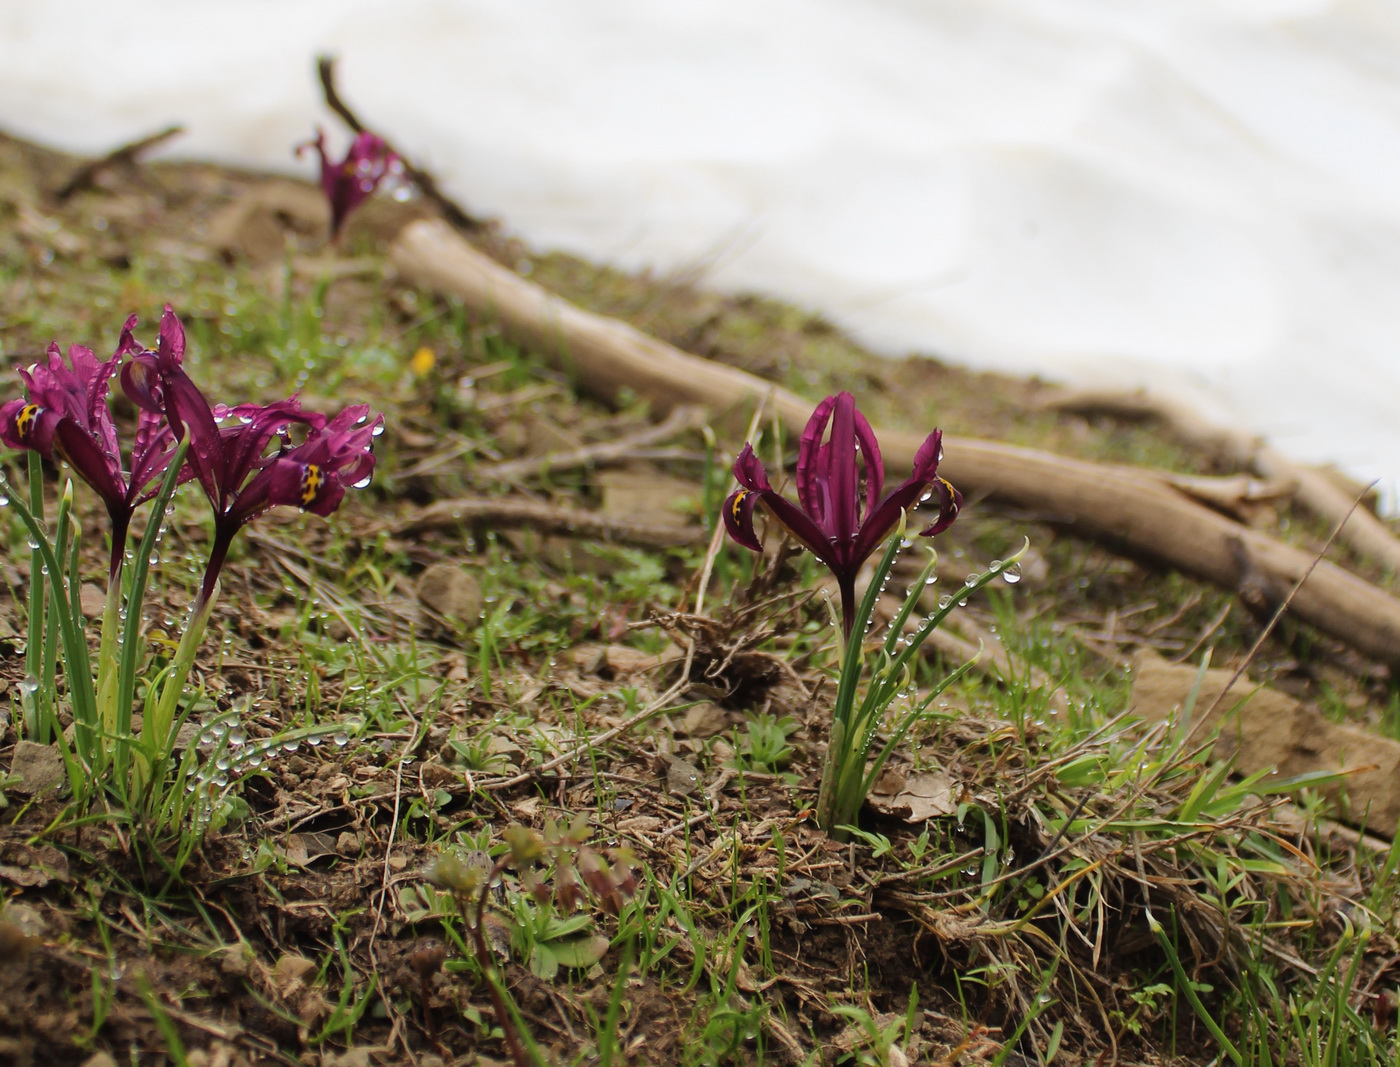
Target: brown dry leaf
(683, 777)
(32, 865)
(302, 849)
(923, 796)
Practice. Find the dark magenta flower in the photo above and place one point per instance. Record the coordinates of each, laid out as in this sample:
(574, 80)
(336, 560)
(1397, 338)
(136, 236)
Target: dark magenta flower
(350, 182)
(66, 415)
(842, 518)
(229, 447)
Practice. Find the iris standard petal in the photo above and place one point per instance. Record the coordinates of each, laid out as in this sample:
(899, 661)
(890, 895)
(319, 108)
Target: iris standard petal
(841, 474)
(872, 462)
(809, 448)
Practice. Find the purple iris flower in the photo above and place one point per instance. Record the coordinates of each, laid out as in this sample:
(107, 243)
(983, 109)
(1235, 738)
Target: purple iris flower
(229, 447)
(842, 518)
(66, 415)
(349, 183)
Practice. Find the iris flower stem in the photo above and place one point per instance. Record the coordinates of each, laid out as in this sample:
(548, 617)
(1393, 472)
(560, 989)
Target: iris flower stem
(107, 652)
(128, 650)
(850, 769)
(38, 693)
(156, 730)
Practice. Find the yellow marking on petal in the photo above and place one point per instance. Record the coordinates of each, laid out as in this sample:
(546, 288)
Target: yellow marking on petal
(422, 362)
(739, 496)
(26, 419)
(311, 481)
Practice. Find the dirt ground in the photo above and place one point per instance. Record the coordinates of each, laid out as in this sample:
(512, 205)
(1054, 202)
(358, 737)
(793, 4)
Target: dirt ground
(298, 933)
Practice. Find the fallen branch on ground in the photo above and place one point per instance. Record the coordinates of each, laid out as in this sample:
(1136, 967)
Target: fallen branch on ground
(1135, 509)
(1313, 488)
(680, 420)
(483, 511)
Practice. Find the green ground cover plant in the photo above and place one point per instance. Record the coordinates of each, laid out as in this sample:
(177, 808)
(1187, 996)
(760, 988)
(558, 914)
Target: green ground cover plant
(494, 789)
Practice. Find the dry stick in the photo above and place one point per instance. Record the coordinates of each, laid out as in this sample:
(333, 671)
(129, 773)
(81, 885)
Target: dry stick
(474, 511)
(1278, 613)
(1313, 489)
(427, 184)
(394, 825)
(680, 420)
(86, 175)
(1121, 505)
(659, 706)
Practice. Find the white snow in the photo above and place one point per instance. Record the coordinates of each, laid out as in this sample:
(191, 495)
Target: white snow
(1198, 195)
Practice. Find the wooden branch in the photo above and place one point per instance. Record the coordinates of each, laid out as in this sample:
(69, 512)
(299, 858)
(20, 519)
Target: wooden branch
(680, 420)
(426, 183)
(1313, 488)
(485, 511)
(86, 175)
(1134, 509)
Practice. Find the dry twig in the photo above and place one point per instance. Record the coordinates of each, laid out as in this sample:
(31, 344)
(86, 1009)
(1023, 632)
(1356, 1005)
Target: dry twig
(482, 511)
(86, 175)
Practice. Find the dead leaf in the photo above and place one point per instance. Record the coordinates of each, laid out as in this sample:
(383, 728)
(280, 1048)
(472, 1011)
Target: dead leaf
(927, 795)
(704, 720)
(32, 865)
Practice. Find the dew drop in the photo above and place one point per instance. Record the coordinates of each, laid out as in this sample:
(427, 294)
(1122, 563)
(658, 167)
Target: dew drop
(1012, 574)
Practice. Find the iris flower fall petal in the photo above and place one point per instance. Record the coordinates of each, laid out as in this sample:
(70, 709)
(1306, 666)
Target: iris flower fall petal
(841, 516)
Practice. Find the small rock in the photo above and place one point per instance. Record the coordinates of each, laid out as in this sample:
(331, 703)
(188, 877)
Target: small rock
(704, 720)
(291, 973)
(236, 960)
(348, 844)
(92, 598)
(39, 767)
(100, 1059)
(451, 592)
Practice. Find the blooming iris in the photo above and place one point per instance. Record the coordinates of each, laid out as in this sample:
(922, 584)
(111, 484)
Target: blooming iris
(841, 517)
(349, 183)
(66, 415)
(229, 446)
